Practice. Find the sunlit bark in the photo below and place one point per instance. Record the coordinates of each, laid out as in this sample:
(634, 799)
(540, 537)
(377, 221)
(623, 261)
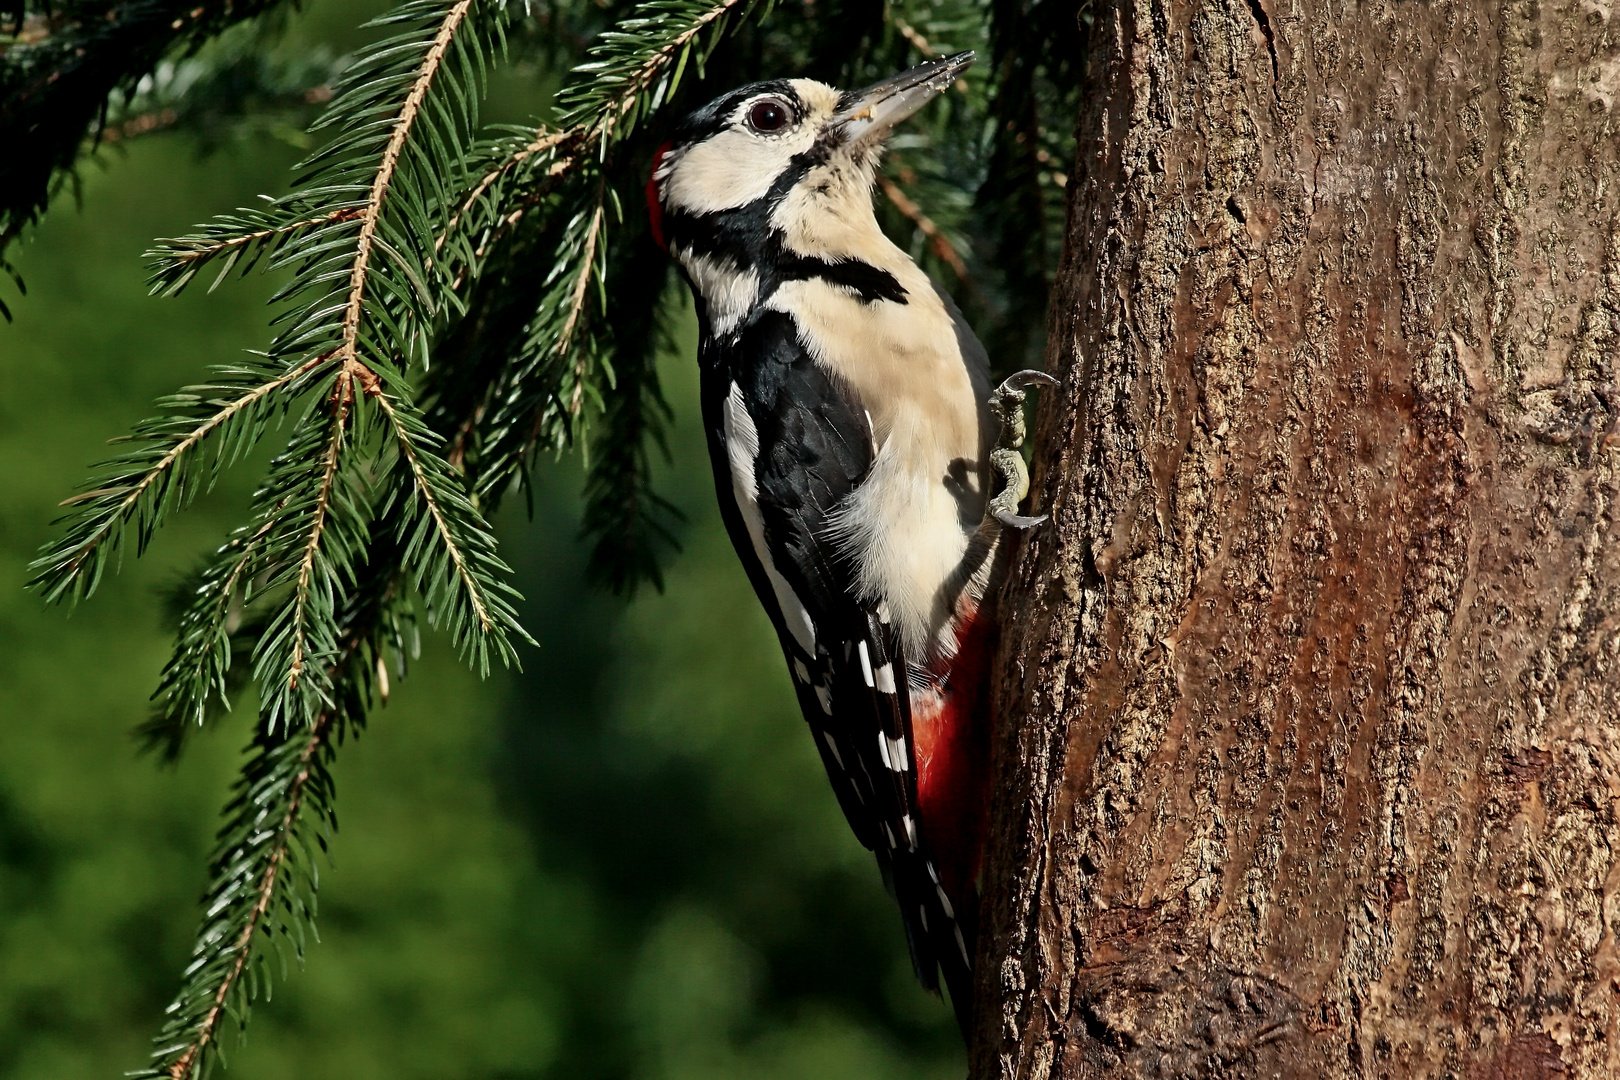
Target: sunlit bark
(1310, 713)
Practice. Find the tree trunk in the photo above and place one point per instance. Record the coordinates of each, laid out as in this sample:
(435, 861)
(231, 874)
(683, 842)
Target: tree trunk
(1310, 740)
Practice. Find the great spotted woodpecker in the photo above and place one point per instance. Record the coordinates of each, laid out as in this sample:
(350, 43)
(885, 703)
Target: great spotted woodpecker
(853, 435)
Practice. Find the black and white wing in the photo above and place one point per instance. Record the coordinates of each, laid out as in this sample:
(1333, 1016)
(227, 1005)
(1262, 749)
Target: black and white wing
(789, 445)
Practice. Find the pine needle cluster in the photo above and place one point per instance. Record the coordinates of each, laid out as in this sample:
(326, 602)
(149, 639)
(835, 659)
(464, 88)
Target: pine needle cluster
(457, 300)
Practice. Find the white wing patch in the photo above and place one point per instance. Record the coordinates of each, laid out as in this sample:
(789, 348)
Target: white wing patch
(893, 753)
(897, 754)
(866, 662)
(742, 447)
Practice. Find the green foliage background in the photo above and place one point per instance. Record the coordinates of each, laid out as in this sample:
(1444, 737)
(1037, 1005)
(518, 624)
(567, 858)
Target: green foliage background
(622, 862)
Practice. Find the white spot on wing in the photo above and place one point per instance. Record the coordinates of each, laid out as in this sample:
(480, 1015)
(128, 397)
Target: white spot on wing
(742, 444)
(800, 671)
(866, 662)
(884, 678)
(883, 750)
(945, 902)
(742, 448)
(896, 753)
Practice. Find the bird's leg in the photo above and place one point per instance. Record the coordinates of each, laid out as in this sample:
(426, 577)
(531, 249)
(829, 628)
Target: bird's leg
(1007, 406)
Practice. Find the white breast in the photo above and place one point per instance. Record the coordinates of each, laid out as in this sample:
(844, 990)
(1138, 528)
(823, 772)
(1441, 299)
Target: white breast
(911, 522)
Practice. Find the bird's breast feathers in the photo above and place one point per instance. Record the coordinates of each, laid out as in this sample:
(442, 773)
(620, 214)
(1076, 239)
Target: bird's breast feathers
(909, 527)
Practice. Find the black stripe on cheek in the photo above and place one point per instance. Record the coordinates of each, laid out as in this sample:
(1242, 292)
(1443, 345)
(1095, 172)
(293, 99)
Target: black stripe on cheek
(739, 236)
(868, 282)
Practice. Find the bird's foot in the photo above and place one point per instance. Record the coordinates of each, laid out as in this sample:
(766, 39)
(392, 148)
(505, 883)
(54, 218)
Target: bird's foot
(1007, 406)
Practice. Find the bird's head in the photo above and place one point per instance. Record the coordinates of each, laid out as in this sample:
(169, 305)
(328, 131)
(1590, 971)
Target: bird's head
(786, 158)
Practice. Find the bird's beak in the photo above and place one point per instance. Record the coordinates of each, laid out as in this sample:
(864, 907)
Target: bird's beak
(867, 116)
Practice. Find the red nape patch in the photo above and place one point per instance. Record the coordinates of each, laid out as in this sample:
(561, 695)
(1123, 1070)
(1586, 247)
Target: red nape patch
(655, 209)
(952, 736)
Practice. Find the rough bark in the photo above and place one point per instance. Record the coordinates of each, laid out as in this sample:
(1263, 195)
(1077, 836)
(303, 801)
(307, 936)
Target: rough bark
(1310, 739)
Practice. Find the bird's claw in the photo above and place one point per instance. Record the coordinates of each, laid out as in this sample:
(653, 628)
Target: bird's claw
(1019, 521)
(1023, 380)
(1007, 405)
(1007, 400)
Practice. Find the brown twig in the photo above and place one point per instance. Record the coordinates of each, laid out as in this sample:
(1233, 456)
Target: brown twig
(925, 225)
(653, 66)
(543, 140)
(923, 46)
(243, 239)
(910, 33)
(136, 126)
(372, 212)
(342, 401)
(576, 302)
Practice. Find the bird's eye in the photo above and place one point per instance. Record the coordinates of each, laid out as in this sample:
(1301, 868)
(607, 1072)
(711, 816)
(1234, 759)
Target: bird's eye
(769, 116)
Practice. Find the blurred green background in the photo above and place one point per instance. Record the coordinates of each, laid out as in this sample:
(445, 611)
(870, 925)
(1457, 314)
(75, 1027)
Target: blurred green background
(622, 862)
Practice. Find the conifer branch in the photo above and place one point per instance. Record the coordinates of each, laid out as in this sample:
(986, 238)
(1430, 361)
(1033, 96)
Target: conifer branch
(202, 657)
(576, 299)
(215, 248)
(543, 140)
(178, 263)
(56, 79)
(264, 894)
(558, 370)
(448, 544)
(502, 196)
(618, 90)
(379, 240)
(263, 873)
(371, 213)
(149, 482)
(412, 456)
(629, 525)
(342, 400)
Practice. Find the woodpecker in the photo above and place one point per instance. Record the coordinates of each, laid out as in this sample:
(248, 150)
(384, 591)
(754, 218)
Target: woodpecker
(853, 434)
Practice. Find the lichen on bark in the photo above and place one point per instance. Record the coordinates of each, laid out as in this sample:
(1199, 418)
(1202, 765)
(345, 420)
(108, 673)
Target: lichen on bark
(1309, 737)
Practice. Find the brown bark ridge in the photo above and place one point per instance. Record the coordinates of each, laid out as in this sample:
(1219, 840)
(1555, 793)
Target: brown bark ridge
(1310, 738)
